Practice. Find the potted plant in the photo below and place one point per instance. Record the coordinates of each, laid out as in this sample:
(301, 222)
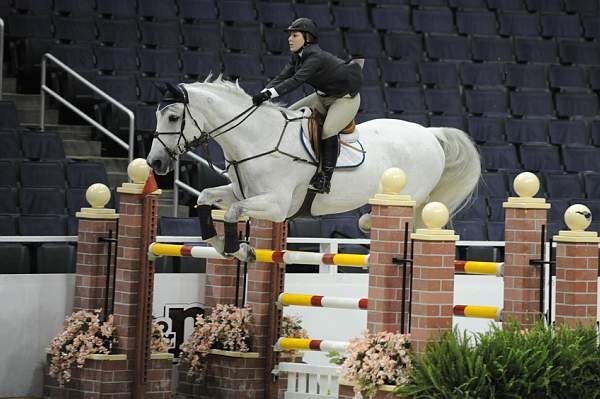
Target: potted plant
(291, 327)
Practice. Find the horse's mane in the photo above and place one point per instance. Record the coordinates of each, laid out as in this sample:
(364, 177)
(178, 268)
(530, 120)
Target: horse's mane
(234, 88)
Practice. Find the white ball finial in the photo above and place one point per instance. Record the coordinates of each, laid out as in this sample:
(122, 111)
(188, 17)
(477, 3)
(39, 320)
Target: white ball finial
(364, 223)
(435, 215)
(97, 195)
(392, 181)
(138, 170)
(526, 185)
(578, 217)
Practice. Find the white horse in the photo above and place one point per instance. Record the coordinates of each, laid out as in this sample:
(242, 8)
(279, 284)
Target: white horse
(441, 164)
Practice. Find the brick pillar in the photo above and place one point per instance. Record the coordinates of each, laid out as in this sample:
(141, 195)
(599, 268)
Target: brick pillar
(390, 211)
(433, 277)
(576, 270)
(525, 216)
(92, 254)
(221, 273)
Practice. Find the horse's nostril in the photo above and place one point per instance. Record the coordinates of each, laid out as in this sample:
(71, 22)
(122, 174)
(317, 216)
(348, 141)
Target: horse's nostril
(155, 164)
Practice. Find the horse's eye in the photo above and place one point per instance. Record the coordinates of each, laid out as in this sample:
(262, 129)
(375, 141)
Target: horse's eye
(173, 118)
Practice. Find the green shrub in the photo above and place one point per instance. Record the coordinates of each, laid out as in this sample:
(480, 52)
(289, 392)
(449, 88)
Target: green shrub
(543, 362)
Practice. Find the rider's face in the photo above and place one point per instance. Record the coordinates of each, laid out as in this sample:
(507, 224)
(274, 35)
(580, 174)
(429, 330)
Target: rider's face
(296, 41)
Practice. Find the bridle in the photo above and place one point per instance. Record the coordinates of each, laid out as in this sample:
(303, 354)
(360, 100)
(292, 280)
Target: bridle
(183, 144)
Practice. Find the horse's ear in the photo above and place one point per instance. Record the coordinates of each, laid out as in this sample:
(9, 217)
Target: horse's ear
(174, 90)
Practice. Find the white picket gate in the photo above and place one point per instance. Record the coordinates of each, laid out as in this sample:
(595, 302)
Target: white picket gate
(309, 381)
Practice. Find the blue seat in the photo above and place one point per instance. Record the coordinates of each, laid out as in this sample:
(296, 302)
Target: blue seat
(252, 86)
(403, 45)
(42, 225)
(439, 74)
(594, 132)
(404, 99)
(121, 32)
(568, 132)
(117, 60)
(15, 259)
(278, 14)
(204, 36)
(8, 117)
(344, 225)
(176, 226)
(581, 158)
(567, 77)
(558, 206)
(197, 10)
(563, 185)
(518, 24)
(245, 38)
(540, 157)
(363, 44)
(8, 174)
(492, 49)
(10, 144)
(78, 57)
(493, 184)
(371, 99)
(319, 13)
(26, 26)
(42, 174)
(56, 258)
(544, 5)
(582, 7)
(483, 129)
(353, 17)
(531, 103)
(304, 227)
(470, 230)
(74, 29)
(370, 70)
(442, 47)
(160, 33)
(468, 4)
(331, 40)
(242, 65)
(455, 121)
(76, 200)
(535, 50)
(526, 76)
(476, 209)
(45, 146)
(594, 75)
(273, 64)
(429, 3)
(576, 104)
(33, 6)
(8, 200)
(482, 74)
(495, 231)
(122, 88)
(591, 26)
(8, 225)
(446, 101)
(199, 64)
(237, 11)
(401, 73)
(157, 9)
(42, 201)
(148, 88)
(503, 5)
(117, 9)
(497, 213)
(159, 61)
(499, 156)
(526, 130)
(476, 22)
(145, 118)
(487, 101)
(560, 25)
(433, 20)
(592, 184)
(391, 18)
(575, 52)
(84, 174)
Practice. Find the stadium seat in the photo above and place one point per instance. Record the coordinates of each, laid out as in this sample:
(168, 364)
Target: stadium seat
(197, 9)
(476, 22)
(558, 206)
(567, 77)
(199, 64)
(44, 146)
(492, 49)
(8, 200)
(396, 18)
(560, 25)
(438, 20)
(397, 72)
(531, 103)
(41, 201)
(245, 38)
(526, 130)
(75, 7)
(510, 5)
(157, 9)
(33, 6)
(304, 227)
(8, 226)
(403, 45)
(118, 9)
(439, 74)
(519, 24)
(482, 74)
(10, 143)
(27, 26)
(582, 7)
(122, 88)
(204, 36)
(497, 213)
(576, 104)
(361, 44)
(405, 99)
(273, 64)
(568, 132)
(544, 5)
(8, 118)
(493, 184)
(420, 119)
(371, 71)
(592, 184)
(56, 258)
(483, 129)
(455, 121)
(159, 61)
(237, 11)
(242, 65)
(42, 174)
(117, 60)
(575, 52)
(8, 174)
(540, 157)
(487, 101)
(581, 158)
(160, 33)
(120, 32)
(84, 174)
(76, 200)
(330, 40)
(352, 17)
(535, 50)
(371, 98)
(319, 13)
(591, 26)
(470, 230)
(15, 259)
(499, 156)
(446, 101)
(595, 132)
(531, 76)
(174, 226)
(46, 225)
(495, 231)
(446, 47)
(475, 209)
(74, 29)
(467, 4)
(563, 186)
(278, 14)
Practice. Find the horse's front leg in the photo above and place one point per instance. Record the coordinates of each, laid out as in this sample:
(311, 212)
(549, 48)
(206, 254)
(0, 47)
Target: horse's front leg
(222, 196)
(266, 206)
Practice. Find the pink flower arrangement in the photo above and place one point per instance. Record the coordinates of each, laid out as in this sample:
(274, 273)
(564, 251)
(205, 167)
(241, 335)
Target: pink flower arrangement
(291, 327)
(158, 341)
(83, 335)
(377, 359)
(225, 328)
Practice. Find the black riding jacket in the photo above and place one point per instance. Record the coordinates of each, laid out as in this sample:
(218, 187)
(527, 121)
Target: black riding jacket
(322, 70)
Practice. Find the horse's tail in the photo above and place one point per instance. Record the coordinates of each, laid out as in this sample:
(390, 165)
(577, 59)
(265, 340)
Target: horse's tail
(462, 169)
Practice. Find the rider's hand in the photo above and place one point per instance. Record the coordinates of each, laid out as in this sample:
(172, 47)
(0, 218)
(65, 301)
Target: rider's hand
(261, 97)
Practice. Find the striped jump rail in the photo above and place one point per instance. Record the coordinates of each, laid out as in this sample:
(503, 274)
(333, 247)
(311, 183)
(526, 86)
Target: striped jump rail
(289, 299)
(307, 344)
(310, 258)
(480, 312)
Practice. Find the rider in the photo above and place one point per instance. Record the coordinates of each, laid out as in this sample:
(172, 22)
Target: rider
(336, 84)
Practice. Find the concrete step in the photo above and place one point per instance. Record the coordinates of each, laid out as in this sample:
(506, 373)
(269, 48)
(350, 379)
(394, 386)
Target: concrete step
(82, 148)
(23, 101)
(167, 210)
(116, 179)
(33, 115)
(66, 132)
(9, 85)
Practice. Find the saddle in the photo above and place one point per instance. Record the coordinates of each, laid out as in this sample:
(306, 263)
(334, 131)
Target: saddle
(315, 130)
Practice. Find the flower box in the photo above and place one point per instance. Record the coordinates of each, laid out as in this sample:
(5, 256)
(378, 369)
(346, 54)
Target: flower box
(384, 392)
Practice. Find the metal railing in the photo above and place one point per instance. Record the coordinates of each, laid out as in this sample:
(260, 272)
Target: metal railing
(179, 184)
(45, 89)
(1, 57)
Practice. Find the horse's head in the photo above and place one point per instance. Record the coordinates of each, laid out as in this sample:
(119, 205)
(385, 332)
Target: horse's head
(170, 135)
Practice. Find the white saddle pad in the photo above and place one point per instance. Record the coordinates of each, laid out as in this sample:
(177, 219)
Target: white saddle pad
(352, 153)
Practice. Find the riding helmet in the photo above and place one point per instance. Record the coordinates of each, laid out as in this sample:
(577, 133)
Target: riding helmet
(304, 25)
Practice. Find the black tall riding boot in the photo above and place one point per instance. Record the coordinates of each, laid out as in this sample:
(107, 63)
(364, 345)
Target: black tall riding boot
(321, 181)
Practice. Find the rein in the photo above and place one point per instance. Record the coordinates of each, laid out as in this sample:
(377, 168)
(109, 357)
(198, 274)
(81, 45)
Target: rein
(205, 136)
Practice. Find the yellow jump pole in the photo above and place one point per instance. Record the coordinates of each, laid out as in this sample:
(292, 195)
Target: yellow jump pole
(480, 312)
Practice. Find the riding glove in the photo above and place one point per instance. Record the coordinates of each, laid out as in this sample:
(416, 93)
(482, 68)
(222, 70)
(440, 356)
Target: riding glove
(261, 97)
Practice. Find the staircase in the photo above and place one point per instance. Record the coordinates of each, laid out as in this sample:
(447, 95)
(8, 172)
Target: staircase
(77, 141)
